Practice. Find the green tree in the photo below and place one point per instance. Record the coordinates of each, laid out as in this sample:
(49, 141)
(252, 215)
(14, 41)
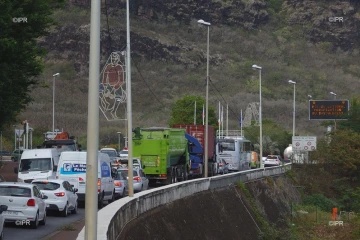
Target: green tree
(183, 111)
(271, 133)
(20, 55)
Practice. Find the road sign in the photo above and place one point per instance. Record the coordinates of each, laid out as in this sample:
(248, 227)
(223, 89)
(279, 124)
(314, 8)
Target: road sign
(304, 143)
(19, 132)
(328, 109)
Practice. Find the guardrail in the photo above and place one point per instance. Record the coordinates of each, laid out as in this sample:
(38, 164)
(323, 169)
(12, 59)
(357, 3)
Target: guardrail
(113, 218)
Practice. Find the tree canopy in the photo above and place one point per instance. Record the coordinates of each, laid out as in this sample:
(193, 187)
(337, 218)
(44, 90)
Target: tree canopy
(20, 56)
(182, 111)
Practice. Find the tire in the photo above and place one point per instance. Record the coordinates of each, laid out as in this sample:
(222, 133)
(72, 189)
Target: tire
(34, 224)
(75, 210)
(43, 222)
(112, 198)
(64, 212)
(101, 201)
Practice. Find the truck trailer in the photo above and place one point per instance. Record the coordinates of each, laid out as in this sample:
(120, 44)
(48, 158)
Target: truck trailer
(163, 153)
(196, 140)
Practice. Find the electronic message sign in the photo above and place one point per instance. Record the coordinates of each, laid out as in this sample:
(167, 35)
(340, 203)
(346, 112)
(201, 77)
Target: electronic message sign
(328, 109)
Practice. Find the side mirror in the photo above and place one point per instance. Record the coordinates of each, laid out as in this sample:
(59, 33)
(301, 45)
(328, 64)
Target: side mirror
(16, 170)
(55, 168)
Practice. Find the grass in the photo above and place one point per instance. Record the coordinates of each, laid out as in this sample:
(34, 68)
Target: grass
(67, 227)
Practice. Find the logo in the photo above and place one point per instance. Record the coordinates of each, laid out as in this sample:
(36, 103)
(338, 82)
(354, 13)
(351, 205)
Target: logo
(19, 19)
(22, 222)
(67, 167)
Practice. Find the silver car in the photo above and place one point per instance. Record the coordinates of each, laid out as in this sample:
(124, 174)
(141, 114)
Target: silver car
(121, 184)
(140, 181)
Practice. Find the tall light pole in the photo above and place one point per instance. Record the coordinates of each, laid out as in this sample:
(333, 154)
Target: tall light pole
(53, 120)
(14, 137)
(128, 103)
(207, 100)
(119, 139)
(91, 196)
(256, 67)
(292, 82)
(334, 94)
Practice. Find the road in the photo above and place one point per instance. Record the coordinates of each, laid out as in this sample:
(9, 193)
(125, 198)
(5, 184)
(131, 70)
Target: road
(54, 223)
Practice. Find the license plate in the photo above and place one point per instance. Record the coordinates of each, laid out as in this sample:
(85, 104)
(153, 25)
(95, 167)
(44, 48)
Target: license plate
(11, 213)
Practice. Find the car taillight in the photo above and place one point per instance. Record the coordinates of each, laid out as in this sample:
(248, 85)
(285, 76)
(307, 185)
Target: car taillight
(31, 202)
(99, 185)
(138, 179)
(60, 194)
(118, 184)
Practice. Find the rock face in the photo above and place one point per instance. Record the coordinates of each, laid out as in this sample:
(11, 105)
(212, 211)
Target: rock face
(335, 22)
(221, 214)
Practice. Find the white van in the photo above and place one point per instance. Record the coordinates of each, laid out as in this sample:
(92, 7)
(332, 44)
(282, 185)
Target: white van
(37, 164)
(72, 167)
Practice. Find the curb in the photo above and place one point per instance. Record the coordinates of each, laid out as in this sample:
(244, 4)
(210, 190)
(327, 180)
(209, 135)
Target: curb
(49, 236)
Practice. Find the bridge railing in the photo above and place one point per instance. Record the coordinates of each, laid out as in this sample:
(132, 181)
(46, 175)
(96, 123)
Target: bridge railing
(113, 218)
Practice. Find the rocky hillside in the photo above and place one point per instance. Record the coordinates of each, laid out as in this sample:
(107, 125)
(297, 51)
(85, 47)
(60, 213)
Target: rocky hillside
(291, 39)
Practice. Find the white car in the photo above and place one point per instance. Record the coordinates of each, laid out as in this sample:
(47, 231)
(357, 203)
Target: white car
(25, 203)
(2, 221)
(62, 196)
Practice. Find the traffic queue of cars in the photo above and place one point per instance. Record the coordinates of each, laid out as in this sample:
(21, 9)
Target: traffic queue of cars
(49, 182)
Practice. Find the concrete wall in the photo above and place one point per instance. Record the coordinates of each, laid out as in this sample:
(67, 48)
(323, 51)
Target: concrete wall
(114, 217)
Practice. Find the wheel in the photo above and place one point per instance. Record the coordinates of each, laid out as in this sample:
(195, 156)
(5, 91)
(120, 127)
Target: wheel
(34, 224)
(43, 222)
(112, 197)
(64, 212)
(74, 211)
(101, 201)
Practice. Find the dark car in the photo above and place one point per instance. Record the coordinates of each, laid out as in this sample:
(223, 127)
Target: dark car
(16, 155)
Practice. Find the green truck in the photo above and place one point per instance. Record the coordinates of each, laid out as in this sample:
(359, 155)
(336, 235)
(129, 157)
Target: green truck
(163, 153)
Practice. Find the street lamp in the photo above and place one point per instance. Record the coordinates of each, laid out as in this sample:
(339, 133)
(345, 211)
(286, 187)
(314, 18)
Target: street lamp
(292, 82)
(332, 93)
(119, 139)
(53, 120)
(256, 67)
(207, 99)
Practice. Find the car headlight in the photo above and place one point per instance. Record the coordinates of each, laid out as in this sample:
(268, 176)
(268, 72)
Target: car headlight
(20, 180)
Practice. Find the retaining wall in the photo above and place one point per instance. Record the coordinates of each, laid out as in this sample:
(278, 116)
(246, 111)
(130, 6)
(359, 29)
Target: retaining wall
(114, 217)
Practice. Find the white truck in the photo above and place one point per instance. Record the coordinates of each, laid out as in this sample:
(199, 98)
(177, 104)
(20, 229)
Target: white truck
(37, 164)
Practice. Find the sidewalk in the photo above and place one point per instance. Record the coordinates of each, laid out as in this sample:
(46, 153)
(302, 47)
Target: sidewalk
(67, 233)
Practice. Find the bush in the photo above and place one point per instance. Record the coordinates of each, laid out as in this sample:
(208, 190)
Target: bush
(321, 201)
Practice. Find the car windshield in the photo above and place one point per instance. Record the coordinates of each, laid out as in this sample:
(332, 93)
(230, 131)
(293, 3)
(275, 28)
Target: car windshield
(121, 175)
(272, 157)
(227, 146)
(15, 191)
(65, 148)
(45, 185)
(38, 164)
(125, 172)
(110, 153)
(124, 152)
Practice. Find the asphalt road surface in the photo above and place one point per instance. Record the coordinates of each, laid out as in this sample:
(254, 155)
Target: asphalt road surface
(54, 222)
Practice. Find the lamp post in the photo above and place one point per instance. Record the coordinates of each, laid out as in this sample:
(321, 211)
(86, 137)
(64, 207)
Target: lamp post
(14, 137)
(292, 82)
(334, 94)
(256, 67)
(207, 99)
(53, 120)
(119, 133)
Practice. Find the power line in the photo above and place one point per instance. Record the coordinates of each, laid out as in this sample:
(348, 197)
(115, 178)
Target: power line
(147, 85)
